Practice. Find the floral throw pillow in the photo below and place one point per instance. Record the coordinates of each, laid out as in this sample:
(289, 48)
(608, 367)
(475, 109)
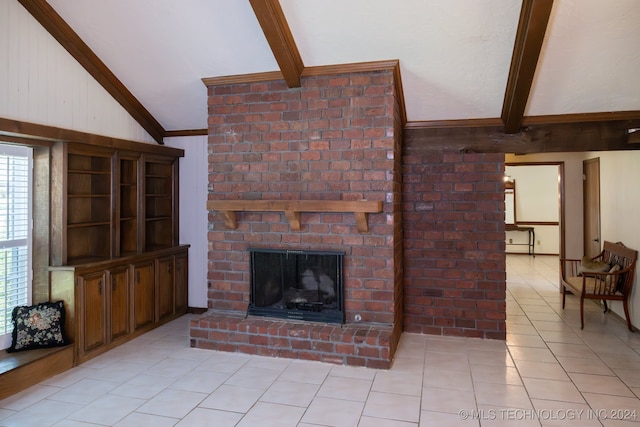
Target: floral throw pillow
(37, 326)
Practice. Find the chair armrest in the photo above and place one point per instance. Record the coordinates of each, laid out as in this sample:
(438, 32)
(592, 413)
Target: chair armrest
(569, 267)
(606, 273)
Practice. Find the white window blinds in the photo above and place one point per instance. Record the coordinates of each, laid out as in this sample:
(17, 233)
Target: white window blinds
(15, 233)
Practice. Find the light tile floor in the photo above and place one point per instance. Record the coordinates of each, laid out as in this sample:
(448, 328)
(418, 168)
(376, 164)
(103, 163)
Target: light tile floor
(547, 373)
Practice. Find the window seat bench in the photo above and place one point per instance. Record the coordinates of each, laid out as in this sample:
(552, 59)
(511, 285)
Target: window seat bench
(23, 369)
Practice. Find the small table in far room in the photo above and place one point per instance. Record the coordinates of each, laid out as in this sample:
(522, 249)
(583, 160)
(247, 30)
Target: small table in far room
(532, 237)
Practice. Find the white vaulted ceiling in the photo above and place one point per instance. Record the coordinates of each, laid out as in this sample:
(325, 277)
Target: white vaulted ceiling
(454, 55)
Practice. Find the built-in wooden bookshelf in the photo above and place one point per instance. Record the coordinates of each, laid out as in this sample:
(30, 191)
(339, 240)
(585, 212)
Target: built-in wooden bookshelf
(115, 256)
(128, 235)
(88, 207)
(111, 203)
(159, 207)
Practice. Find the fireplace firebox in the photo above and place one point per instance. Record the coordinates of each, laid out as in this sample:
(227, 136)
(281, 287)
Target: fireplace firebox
(292, 284)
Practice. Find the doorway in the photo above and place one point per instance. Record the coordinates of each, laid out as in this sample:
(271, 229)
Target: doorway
(539, 204)
(591, 208)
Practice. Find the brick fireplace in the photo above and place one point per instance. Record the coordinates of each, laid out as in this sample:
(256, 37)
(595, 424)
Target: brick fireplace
(432, 261)
(336, 138)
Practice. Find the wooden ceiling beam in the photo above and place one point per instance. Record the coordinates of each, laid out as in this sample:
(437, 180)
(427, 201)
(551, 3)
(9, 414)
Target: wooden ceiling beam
(62, 32)
(534, 17)
(276, 30)
(542, 134)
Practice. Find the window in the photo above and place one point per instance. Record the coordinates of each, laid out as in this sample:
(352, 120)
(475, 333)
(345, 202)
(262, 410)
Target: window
(15, 234)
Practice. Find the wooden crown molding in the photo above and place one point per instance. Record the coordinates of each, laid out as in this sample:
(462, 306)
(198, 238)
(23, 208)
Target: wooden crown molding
(532, 25)
(243, 78)
(186, 132)
(353, 67)
(63, 33)
(459, 123)
(276, 30)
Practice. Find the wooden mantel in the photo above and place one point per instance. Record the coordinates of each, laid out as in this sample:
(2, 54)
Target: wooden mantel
(293, 208)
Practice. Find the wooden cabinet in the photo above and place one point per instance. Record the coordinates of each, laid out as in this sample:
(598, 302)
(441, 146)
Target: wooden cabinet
(115, 256)
(144, 294)
(103, 298)
(181, 282)
(108, 303)
(166, 287)
(92, 331)
(119, 293)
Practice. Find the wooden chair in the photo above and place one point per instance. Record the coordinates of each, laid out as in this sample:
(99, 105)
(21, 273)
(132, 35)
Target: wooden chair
(606, 286)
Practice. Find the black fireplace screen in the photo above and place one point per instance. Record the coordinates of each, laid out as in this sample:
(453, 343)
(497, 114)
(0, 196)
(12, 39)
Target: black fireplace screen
(304, 285)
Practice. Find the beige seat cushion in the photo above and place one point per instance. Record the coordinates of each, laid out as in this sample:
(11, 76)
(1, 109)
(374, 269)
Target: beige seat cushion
(604, 287)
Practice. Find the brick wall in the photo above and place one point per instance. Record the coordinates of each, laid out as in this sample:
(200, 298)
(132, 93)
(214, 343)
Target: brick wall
(433, 262)
(454, 254)
(335, 138)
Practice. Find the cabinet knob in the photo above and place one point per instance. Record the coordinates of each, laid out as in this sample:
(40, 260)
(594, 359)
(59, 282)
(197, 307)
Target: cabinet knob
(100, 287)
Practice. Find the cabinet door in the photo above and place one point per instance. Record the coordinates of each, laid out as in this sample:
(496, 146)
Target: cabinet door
(181, 283)
(165, 287)
(93, 305)
(143, 294)
(119, 303)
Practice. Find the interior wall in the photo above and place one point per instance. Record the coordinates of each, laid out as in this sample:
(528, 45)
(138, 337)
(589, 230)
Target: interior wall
(620, 210)
(42, 83)
(193, 212)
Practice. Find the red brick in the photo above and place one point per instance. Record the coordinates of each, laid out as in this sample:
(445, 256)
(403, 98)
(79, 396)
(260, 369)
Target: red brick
(304, 355)
(370, 352)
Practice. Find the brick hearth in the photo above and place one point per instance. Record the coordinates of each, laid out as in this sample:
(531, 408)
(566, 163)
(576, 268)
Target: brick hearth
(355, 345)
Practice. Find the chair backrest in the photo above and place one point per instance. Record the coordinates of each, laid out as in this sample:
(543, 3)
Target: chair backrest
(619, 254)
